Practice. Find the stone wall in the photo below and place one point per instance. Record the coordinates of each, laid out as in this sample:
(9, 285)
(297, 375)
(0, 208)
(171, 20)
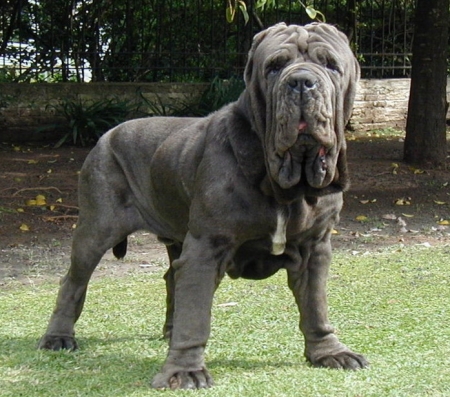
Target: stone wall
(24, 107)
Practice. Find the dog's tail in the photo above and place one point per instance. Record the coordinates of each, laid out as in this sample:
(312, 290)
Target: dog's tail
(120, 250)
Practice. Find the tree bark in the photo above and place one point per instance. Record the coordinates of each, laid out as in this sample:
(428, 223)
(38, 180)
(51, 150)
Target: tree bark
(425, 142)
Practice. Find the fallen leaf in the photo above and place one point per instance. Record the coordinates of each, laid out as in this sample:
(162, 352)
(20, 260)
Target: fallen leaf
(49, 171)
(20, 210)
(32, 161)
(408, 215)
(401, 222)
(391, 217)
(40, 200)
(364, 201)
(30, 202)
(334, 231)
(439, 202)
(402, 202)
(52, 207)
(444, 222)
(361, 218)
(60, 200)
(416, 170)
(24, 227)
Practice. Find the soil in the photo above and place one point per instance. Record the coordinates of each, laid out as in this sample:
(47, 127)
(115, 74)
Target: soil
(388, 203)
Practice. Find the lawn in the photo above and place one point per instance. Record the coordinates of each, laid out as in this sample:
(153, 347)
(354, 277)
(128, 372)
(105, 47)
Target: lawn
(391, 305)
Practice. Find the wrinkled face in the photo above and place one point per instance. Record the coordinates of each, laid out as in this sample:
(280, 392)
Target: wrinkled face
(304, 78)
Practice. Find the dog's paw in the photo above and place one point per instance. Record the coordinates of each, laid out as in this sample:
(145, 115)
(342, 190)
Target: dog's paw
(58, 342)
(343, 360)
(183, 380)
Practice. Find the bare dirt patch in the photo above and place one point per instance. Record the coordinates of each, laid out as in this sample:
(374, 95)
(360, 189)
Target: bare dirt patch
(35, 239)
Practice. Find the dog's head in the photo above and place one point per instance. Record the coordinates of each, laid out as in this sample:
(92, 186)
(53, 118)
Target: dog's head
(301, 82)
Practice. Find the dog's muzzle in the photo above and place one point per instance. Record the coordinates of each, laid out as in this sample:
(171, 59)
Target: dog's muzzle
(304, 136)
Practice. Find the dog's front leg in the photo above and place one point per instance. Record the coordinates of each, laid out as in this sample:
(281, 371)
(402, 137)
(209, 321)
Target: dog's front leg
(197, 274)
(308, 283)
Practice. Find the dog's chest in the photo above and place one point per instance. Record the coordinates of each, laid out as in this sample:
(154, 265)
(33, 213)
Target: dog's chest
(302, 221)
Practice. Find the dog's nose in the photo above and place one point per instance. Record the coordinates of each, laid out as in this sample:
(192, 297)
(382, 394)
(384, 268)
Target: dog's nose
(302, 81)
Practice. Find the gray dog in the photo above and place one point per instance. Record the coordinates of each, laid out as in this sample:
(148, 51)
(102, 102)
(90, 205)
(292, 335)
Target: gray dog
(251, 189)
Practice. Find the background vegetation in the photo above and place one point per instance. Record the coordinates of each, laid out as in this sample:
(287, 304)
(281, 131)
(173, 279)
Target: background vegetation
(179, 40)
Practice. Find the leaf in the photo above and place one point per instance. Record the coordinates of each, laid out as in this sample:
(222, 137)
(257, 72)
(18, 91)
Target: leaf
(24, 227)
(32, 162)
(390, 217)
(444, 222)
(361, 218)
(439, 202)
(312, 13)
(334, 231)
(402, 202)
(40, 200)
(243, 9)
(49, 171)
(20, 210)
(30, 202)
(322, 17)
(230, 13)
(60, 200)
(52, 207)
(364, 201)
(408, 215)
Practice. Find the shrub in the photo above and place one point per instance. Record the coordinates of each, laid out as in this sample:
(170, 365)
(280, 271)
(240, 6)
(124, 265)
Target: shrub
(87, 121)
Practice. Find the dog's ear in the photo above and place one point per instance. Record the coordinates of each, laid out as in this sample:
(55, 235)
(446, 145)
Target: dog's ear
(257, 39)
(349, 96)
(249, 66)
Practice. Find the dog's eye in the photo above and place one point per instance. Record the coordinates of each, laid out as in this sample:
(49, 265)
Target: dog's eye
(274, 70)
(333, 66)
(275, 66)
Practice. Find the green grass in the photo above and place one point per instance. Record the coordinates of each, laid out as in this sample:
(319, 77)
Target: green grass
(392, 305)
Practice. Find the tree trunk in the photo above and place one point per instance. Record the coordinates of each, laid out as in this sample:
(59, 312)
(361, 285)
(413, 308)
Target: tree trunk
(425, 141)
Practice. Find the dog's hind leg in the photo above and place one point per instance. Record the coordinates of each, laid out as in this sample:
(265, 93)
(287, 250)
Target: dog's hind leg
(91, 240)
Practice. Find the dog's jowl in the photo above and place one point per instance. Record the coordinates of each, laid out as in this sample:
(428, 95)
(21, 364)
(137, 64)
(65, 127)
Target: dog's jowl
(247, 191)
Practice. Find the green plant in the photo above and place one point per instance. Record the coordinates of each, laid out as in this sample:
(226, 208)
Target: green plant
(156, 108)
(218, 94)
(87, 121)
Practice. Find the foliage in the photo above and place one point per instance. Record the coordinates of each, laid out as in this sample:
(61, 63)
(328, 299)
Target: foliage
(88, 120)
(219, 93)
(137, 40)
(310, 10)
(232, 6)
(396, 317)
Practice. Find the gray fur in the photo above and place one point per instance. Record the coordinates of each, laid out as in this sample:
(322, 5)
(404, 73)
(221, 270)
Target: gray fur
(222, 191)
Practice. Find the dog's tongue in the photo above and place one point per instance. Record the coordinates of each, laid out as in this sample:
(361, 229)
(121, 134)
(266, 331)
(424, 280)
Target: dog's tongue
(302, 126)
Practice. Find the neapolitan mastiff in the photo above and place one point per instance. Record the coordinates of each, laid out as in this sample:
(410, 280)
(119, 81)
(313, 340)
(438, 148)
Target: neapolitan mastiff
(251, 189)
